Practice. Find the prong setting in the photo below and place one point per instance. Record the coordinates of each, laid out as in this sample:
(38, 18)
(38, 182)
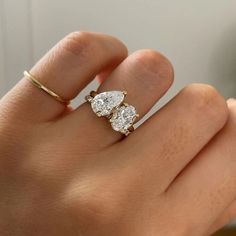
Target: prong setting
(111, 105)
(93, 93)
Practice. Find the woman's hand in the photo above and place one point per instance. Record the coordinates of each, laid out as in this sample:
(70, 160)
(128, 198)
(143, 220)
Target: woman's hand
(66, 172)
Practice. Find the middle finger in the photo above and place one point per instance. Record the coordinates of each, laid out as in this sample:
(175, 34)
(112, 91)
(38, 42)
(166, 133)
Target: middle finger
(173, 136)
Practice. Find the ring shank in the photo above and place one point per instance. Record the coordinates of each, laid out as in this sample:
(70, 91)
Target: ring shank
(37, 84)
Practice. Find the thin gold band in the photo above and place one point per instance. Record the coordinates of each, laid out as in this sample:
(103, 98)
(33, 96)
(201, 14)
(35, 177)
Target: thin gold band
(36, 83)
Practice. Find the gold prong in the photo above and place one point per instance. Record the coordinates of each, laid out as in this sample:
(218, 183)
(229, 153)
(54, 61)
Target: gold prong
(137, 115)
(109, 116)
(125, 92)
(131, 129)
(93, 93)
(98, 114)
(123, 131)
(114, 110)
(88, 98)
(125, 104)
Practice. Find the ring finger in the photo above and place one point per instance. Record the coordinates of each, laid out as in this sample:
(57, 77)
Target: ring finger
(146, 75)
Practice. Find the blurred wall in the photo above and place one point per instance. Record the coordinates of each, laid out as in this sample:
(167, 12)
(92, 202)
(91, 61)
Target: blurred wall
(199, 37)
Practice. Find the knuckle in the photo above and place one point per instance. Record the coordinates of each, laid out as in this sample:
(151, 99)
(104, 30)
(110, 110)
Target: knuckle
(77, 42)
(205, 100)
(79, 35)
(155, 62)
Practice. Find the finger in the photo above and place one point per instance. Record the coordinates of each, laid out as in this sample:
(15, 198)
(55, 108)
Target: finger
(208, 184)
(225, 218)
(66, 70)
(104, 75)
(170, 139)
(146, 75)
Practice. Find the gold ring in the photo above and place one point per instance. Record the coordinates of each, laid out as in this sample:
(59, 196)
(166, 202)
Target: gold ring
(111, 105)
(37, 84)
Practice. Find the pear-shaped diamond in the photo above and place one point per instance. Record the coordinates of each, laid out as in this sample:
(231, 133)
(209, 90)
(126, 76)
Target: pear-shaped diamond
(123, 118)
(104, 103)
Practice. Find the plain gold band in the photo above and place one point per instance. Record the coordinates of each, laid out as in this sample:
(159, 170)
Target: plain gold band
(36, 83)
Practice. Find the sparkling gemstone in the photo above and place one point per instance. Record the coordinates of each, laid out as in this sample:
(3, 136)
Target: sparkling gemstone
(104, 103)
(123, 118)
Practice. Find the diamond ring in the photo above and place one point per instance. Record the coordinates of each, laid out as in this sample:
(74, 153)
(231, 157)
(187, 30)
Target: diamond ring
(111, 105)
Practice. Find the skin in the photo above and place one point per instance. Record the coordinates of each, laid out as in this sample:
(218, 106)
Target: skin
(64, 171)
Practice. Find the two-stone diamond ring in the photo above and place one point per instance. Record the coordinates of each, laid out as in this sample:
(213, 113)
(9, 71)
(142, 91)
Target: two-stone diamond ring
(111, 105)
(108, 104)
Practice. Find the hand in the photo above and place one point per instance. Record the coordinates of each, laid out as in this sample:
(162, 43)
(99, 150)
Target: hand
(66, 172)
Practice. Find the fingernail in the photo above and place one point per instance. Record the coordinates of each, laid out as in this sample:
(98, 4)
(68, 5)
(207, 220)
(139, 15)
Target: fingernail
(231, 99)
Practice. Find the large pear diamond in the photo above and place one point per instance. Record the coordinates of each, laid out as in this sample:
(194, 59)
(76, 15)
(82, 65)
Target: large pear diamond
(104, 103)
(123, 118)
